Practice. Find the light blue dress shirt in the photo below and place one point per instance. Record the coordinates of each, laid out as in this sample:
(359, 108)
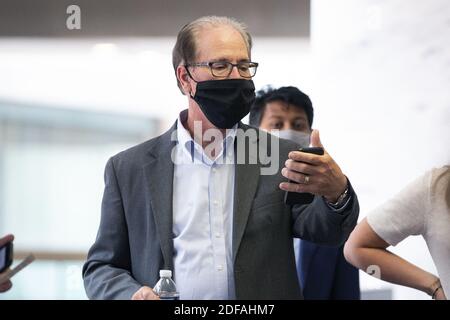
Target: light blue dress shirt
(203, 192)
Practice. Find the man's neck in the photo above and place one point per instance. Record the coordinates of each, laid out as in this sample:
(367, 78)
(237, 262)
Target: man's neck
(197, 129)
(212, 141)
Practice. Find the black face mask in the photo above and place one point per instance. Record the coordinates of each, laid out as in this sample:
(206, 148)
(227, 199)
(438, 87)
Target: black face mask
(225, 102)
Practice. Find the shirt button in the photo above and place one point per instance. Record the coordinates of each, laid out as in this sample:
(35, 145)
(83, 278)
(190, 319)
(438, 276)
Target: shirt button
(217, 235)
(219, 268)
(214, 170)
(216, 203)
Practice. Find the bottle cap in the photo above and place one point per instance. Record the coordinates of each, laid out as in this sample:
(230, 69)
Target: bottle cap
(165, 273)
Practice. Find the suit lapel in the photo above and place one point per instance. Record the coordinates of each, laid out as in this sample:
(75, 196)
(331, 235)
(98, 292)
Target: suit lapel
(246, 183)
(159, 177)
(159, 172)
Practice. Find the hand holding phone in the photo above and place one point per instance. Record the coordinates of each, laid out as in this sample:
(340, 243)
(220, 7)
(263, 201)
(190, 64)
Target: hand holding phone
(292, 198)
(6, 260)
(6, 252)
(8, 274)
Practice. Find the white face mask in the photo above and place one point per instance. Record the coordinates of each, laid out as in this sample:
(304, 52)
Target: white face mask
(302, 138)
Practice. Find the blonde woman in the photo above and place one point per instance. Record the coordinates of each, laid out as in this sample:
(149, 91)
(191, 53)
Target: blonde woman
(421, 208)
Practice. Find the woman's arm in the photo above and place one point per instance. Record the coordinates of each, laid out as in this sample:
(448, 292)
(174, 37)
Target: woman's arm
(365, 248)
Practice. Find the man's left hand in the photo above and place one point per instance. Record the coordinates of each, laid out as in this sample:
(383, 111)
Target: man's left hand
(317, 174)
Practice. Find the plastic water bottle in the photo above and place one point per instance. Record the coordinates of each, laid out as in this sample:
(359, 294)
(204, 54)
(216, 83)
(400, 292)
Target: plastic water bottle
(165, 288)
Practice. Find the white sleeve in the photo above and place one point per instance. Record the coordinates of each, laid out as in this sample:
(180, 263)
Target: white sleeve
(404, 214)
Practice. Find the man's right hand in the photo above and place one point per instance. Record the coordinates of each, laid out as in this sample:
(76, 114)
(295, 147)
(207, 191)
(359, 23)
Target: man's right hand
(145, 293)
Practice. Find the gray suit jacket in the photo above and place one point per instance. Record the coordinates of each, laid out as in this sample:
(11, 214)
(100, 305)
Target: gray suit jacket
(134, 240)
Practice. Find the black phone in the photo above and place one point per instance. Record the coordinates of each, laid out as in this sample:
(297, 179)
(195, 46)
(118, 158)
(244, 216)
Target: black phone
(292, 198)
(6, 256)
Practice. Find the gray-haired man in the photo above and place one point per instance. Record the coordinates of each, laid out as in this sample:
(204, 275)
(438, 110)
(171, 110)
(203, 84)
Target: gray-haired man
(219, 224)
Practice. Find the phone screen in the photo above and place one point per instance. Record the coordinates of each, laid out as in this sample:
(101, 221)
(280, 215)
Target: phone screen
(2, 257)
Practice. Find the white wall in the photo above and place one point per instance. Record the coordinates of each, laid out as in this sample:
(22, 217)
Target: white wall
(132, 76)
(381, 91)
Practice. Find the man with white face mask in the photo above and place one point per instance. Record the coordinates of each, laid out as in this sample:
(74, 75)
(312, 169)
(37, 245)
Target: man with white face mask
(322, 271)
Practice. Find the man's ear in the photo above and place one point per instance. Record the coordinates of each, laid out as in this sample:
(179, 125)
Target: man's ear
(183, 79)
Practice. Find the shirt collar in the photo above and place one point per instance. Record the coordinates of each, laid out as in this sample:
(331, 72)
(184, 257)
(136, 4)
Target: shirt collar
(193, 149)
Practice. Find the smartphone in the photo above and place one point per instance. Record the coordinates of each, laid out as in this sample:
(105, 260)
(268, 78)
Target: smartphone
(292, 198)
(6, 256)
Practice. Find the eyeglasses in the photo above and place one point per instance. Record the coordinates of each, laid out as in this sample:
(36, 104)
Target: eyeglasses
(223, 69)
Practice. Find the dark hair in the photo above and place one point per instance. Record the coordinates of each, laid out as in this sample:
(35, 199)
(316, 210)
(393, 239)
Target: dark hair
(290, 95)
(185, 49)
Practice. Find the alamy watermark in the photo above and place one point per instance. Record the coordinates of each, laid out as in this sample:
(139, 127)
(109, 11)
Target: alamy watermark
(251, 146)
(374, 271)
(73, 21)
